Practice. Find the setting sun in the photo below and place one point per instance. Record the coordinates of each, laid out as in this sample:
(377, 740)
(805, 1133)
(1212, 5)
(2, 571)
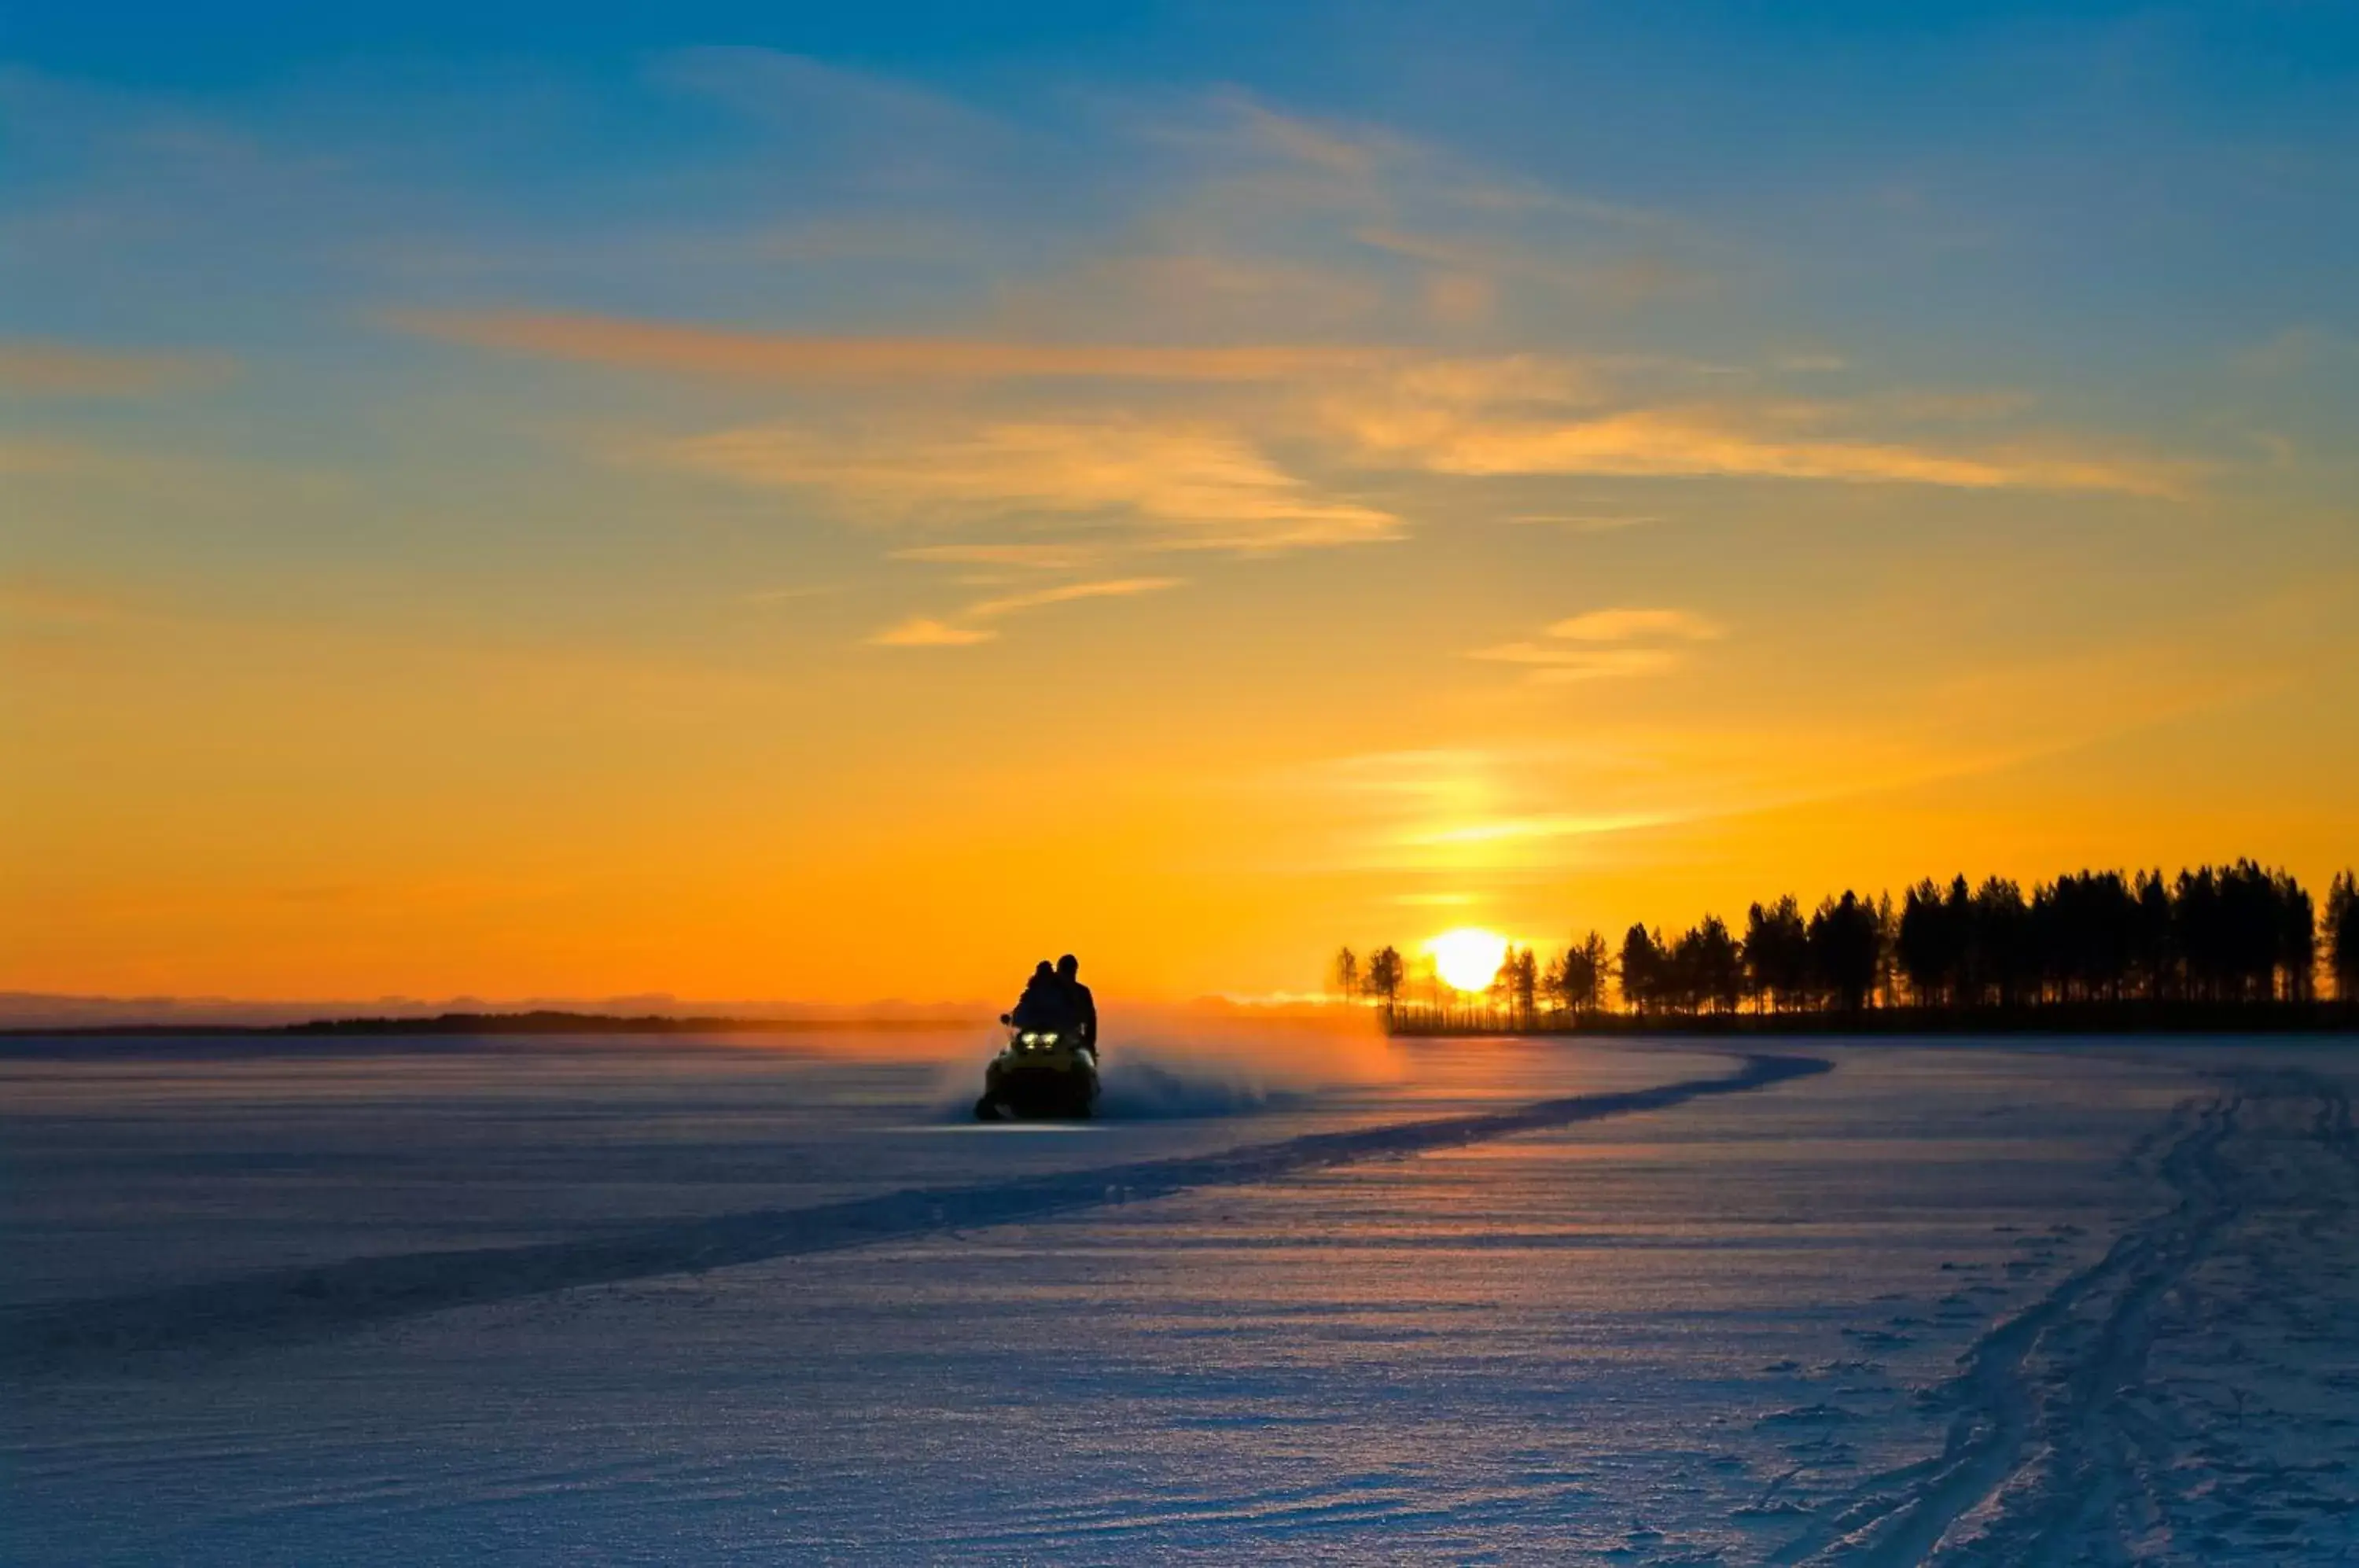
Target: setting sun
(1468, 958)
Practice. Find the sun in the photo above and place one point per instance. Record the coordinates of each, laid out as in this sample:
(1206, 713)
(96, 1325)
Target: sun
(1468, 958)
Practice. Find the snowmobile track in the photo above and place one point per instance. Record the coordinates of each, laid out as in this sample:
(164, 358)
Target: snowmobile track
(283, 1306)
(2047, 1459)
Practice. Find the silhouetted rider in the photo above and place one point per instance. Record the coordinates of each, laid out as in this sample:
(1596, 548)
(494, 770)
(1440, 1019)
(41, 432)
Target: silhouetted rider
(1080, 1005)
(1044, 1005)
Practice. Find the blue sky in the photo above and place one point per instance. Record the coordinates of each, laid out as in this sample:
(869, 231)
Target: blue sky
(1510, 426)
(2091, 185)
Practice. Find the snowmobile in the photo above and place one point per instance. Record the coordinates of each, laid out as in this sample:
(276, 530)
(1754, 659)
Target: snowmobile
(1040, 1073)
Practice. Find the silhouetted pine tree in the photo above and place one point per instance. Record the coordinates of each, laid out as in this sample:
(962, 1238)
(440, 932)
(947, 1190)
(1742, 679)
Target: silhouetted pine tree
(1888, 953)
(2005, 962)
(1777, 954)
(2297, 940)
(1931, 956)
(2343, 936)
(1683, 973)
(1578, 976)
(1645, 984)
(1386, 975)
(2243, 934)
(1515, 986)
(1845, 951)
(2084, 927)
(1711, 969)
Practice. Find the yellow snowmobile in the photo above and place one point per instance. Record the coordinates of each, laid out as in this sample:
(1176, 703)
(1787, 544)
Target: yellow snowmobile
(1040, 1073)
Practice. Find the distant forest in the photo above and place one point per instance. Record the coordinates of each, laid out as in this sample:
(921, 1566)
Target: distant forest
(2086, 950)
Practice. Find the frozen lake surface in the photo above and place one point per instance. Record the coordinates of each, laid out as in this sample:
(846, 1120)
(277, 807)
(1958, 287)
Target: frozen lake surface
(672, 1300)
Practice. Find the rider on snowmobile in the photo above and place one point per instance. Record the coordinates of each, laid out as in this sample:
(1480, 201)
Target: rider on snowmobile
(1080, 1006)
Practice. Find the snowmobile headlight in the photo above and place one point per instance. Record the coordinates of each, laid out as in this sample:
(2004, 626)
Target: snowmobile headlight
(1031, 1039)
(1048, 1040)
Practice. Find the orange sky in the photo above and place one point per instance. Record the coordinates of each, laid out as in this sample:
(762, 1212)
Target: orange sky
(1330, 534)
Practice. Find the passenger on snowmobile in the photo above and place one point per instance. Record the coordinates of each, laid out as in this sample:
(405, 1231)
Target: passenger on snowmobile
(1044, 1005)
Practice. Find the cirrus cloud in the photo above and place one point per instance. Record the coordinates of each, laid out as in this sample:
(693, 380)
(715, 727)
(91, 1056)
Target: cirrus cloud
(1719, 442)
(730, 353)
(1385, 407)
(1554, 664)
(1117, 588)
(1608, 644)
(47, 369)
(1039, 557)
(1623, 626)
(926, 632)
(921, 632)
(1182, 485)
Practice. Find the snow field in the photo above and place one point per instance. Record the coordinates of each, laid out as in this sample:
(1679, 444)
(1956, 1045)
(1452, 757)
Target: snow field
(1988, 1306)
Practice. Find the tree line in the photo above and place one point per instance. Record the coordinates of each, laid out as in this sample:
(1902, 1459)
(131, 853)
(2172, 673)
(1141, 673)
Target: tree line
(2240, 935)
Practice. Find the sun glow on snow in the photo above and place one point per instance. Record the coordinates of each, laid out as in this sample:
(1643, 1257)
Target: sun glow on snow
(1468, 957)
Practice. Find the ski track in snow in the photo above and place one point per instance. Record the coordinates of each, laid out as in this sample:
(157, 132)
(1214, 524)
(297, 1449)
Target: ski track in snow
(281, 1306)
(2095, 1425)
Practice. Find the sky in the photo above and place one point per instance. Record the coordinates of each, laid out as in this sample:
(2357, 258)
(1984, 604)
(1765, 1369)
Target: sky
(838, 502)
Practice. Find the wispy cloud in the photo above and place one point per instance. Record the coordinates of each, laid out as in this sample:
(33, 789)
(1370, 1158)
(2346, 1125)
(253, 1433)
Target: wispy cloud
(1608, 644)
(1587, 523)
(1624, 626)
(1039, 557)
(37, 455)
(920, 632)
(1115, 588)
(924, 632)
(1723, 442)
(1359, 166)
(1484, 810)
(29, 598)
(1451, 774)
(1467, 812)
(2290, 352)
(1191, 288)
(1490, 262)
(732, 355)
(1354, 152)
(1455, 243)
(795, 90)
(42, 369)
(1551, 662)
(1179, 485)
(859, 131)
(1544, 827)
(1516, 415)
